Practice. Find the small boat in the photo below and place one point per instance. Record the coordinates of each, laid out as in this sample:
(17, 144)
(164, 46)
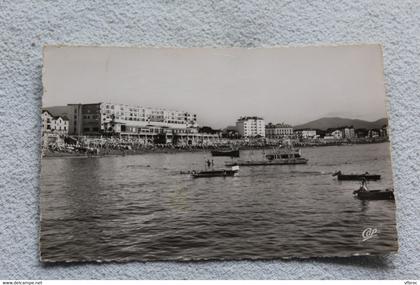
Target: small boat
(216, 173)
(367, 176)
(364, 194)
(229, 152)
(285, 156)
(374, 194)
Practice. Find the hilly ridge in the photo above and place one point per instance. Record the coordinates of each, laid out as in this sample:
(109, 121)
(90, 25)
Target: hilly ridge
(336, 122)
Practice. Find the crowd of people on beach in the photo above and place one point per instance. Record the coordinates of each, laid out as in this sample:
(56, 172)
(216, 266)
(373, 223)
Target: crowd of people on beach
(116, 145)
(94, 146)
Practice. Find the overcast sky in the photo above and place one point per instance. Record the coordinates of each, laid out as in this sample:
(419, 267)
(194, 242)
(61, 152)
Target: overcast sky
(292, 85)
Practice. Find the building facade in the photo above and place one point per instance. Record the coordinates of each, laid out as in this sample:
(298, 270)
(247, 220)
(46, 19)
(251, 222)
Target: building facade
(251, 127)
(73, 113)
(278, 131)
(383, 132)
(54, 124)
(103, 118)
(305, 134)
(127, 119)
(337, 134)
(133, 121)
(349, 133)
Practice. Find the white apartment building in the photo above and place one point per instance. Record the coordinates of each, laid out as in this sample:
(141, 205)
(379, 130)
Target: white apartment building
(96, 118)
(349, 133)
(251, 126)
(121, 117)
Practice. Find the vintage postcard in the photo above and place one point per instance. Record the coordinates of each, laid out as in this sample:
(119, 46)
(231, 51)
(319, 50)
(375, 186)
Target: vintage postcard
(214, 154)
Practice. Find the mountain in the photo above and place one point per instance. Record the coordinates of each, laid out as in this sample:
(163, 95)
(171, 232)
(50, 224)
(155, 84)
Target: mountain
(335, 122)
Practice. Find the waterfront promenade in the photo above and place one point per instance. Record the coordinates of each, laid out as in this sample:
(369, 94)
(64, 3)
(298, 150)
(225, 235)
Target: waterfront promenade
(116, 146)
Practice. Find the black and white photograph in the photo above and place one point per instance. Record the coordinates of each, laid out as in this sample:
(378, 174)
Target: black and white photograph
(214, 154)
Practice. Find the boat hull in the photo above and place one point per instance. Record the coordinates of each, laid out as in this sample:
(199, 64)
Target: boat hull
(374, 195)
(358, 177)
(230, 153)
(272, 162)
(214, 173)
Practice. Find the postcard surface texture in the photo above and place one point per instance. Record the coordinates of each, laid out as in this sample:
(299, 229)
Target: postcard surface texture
(214, 154)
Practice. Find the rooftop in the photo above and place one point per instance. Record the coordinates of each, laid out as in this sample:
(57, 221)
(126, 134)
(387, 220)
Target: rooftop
(245, 118)
(280, 125)
(55, 117)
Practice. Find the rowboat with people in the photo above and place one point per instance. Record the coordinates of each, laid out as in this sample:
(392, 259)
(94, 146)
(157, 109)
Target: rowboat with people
(364, 194)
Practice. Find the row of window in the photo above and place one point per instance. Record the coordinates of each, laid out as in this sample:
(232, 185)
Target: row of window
(143, 110)
(151, 130)
(63, 128)
(279, 131)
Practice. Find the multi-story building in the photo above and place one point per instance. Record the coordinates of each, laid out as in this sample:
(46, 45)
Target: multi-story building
(278, 130)
(374, 133)
(47, 117)
(251, 127)
(102, 118)
(54, 124)
(349, 133)
(337, 134)
(305, 134)
(132, 121)
(383, 132)
(127, 119)
(73, 112)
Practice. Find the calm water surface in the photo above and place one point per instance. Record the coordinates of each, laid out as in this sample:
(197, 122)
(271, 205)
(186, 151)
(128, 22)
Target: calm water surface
(141, 208)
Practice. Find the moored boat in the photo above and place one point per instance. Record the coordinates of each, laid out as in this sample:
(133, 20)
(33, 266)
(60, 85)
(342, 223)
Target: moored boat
(367, 176)
(279, 156)
(216, 173)
(374, 194)
(230, 153)
(364, 194)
